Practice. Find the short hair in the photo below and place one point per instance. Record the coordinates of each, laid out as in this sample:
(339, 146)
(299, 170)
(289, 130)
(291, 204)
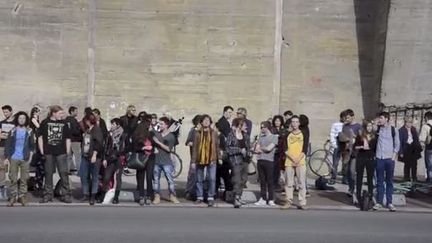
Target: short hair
(72, 109)
(154, 115)
(22, 113)
(266, 124)
(342, 115)
(304, 120)
(204, 117)
(288, 113)
(242, 110)
(295, 117)
(97, 111)
(196, 120)
(226, 108)
(165, 119)
(428, 115)
(349, 112)
(276, 118)
(7, 107)
(88, 111)
(237, 122)
(117, 121)
(385, 114)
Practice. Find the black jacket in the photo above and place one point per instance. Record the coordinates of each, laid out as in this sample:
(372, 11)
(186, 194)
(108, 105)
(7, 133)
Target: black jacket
(74, 128)
(29, 144)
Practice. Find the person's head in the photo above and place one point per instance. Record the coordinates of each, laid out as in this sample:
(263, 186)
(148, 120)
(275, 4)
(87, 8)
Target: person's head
(242, 113)
(408, 121)
(55, 113)
(21, 119)
(7, 111)
(90, 121)
(142, 131)
(34, 113)
(131, 110)
(116, 123)
(304, 121)
(73, 111)
(88, 111)
(154, 119)
(97, 113)
(288, 115)
(295, 122)
(367, 126)
(227, 112)
(265, 127)
(278, 121)
(428, 116)
(206, 121)
(383, 118)
(342, 116)
(238, 124)
(164, 123)
(196, 120)
(349, 116)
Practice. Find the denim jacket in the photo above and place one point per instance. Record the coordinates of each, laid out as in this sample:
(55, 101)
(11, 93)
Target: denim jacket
(234, 151)
(29, 144)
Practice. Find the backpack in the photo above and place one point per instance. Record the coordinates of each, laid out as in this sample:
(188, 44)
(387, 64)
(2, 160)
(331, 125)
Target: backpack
(393, 131)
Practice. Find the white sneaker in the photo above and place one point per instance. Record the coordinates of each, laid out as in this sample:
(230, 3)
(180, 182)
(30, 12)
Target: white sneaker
(391, 208)
(377, 207)
(261, 202)
(271, 203)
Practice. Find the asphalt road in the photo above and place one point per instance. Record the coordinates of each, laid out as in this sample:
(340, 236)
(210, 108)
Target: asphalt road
(122, 224)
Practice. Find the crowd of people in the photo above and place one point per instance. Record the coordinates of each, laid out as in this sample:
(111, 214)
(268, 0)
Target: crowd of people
(220, 154)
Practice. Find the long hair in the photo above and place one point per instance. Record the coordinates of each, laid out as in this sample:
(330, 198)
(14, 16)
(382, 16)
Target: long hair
(89, 118)
(364, 133)
(141, 131)
(280, 118)
(21, 113)
(54, 109)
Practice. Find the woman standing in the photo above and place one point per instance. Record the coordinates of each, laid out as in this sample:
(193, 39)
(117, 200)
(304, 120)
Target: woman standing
(365, 146)
(92, 152)
(37, 160)
(279, 165)
(238, 150)
(410, 149)
(114, 158)
(141, 142)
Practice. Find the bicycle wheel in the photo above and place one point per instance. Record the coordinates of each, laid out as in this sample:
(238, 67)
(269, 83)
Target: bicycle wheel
(319, 164)
(178, 164)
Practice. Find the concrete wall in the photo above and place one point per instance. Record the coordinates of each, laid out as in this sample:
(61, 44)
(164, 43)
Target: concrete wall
(407, 71)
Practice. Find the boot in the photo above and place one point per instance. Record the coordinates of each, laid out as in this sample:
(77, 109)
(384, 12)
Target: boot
(22, 200)
(237, 202)
(174, 199)
(92, 199)
(116, 197)
(11, 201)
(85, 198)
(156, 199)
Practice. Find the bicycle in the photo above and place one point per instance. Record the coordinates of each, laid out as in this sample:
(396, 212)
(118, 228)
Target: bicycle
(321, 161)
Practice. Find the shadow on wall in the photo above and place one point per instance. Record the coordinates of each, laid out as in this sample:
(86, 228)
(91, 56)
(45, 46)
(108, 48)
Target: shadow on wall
(371, 27)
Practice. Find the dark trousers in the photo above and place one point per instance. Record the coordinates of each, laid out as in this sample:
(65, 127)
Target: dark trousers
(239, 177)
(266, 178)
(223, 173)
(361, 164)
(59, 162)
(38, 163)
(110, 171)
(146, 175)
(410, 170)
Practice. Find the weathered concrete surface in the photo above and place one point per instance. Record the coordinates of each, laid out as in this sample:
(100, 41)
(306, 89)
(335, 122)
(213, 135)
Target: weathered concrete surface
(408, 60)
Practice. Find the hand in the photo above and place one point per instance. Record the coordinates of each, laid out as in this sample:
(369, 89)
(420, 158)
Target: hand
(189, 144)
(193, 166)
(243, 151)
(394, 156)
(6, 162)
(104, 163)
(93, 159)
(220, 162)
(401, 155)
(149, 147)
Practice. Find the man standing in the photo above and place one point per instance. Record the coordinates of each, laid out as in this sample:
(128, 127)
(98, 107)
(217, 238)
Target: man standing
(205, 153)
(165, 142)
(5, 127)
(334, 133)
(295, 164)
(101, 123)
(386, 153)
(223, 170)
(54, 142)
(242, 114)
(287, 118)
(76, 138)
(426, 142)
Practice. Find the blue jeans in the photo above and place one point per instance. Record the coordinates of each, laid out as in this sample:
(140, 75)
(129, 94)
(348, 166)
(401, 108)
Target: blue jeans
(89, 174)
(385, 167)
(211, 175)
(351, 174)
(428, 163)
(168, 170)
(336, 159)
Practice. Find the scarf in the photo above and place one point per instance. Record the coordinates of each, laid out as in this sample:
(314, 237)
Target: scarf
(116, 135)
(205, 148)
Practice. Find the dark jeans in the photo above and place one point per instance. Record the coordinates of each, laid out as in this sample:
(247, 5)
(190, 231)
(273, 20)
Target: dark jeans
(266, 178)
(239, 177)
(223, 172)
(385, 167)
(89, 173)
(146, 175)
(110, 171)
(361, 164)
(350, 173)
(276, 174)
(428, 164)
(336, 159)
(410, 170)
(59, 162)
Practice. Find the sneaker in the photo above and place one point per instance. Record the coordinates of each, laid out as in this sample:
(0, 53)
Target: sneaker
(141, 201)
(11, 202)
(92, 200)
(211, 203)
(23, 201)
(261, 202)
(147, 201)
(391, 208)
(198, 201)
(286, 206)
(377, 207)
(156, 199)
(115, 200)
(271, 203)
(174, 199)
(237, 202)
(302, 207)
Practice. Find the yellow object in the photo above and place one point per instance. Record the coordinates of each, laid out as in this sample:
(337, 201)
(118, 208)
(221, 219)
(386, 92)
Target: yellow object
(295, 148)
